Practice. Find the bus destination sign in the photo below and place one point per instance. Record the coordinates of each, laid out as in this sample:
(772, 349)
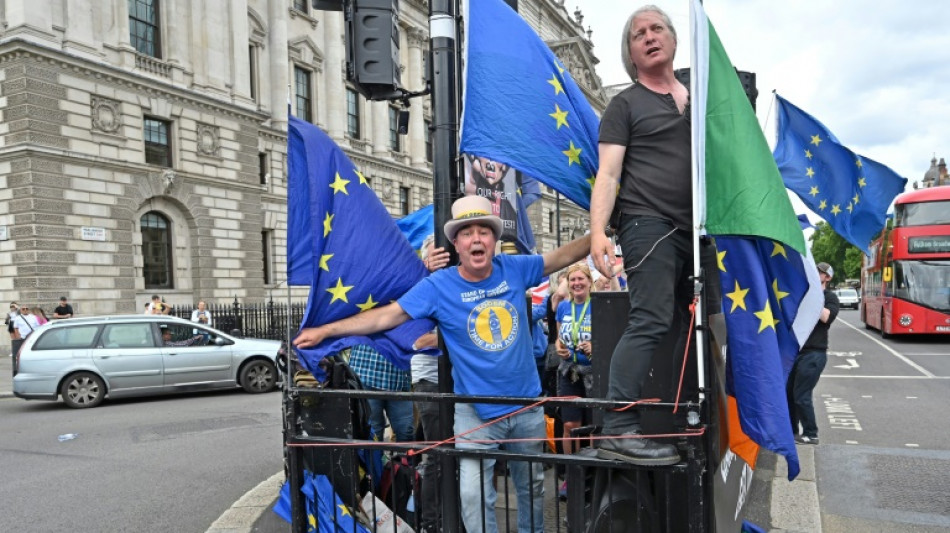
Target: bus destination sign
(939, 244)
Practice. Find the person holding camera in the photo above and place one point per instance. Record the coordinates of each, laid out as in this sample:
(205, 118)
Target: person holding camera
(202, 315)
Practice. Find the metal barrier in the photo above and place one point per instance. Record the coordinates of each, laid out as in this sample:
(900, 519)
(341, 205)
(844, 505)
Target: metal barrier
(259, 320)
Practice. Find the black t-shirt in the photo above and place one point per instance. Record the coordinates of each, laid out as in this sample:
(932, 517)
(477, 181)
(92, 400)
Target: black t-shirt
(63, 310)
(656, 176)
(818, 340)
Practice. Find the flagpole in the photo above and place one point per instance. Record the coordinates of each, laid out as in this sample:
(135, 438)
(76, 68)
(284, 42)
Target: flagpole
(698, 213)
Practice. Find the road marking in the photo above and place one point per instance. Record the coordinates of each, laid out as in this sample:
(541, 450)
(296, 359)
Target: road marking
(852, 363)
(867, 396)
(911, 397)
(925, 354)
(840, 414)
(844, 354)
(850, 442)
(919, 368)
(912, 445)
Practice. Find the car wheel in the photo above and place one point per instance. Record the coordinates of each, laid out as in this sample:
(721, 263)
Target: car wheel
(83, 390)
(258, 376)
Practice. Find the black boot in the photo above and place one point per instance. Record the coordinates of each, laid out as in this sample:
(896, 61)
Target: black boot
(638, 451)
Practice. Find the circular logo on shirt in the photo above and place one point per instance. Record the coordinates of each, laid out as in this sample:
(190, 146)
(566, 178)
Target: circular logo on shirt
(493, 325)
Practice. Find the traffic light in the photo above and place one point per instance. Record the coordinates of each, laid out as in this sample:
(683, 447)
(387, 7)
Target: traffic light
(372, 47)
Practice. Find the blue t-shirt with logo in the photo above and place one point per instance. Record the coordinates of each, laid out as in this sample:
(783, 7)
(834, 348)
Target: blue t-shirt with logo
(565, 319)
(485, 325)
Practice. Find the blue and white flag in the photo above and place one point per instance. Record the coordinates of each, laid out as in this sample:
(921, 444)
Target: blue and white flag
(851, 192)
(358, 258)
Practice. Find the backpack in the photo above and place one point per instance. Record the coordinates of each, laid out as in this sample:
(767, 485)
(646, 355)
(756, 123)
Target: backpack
(398, 484)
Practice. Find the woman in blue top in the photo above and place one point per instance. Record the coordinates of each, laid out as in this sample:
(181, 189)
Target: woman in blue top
(573, 345)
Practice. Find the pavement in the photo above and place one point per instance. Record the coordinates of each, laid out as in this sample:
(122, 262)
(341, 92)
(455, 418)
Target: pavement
(774, 503)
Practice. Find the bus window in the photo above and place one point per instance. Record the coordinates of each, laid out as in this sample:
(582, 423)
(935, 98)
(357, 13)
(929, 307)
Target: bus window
(926, 283)
(923, 214)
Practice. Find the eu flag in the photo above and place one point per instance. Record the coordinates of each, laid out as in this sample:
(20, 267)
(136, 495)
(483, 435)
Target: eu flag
(851, 192)
(358, 257)
(770, 303)
(521, 106)
(416, 226)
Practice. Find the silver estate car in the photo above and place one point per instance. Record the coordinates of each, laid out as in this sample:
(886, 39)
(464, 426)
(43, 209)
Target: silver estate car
(848, 297)
(86, 359)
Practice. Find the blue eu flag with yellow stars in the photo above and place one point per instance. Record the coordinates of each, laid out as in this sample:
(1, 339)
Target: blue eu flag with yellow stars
(326, 512)
(771, 301)
(355, 255)
(521, 106)
(851, 192)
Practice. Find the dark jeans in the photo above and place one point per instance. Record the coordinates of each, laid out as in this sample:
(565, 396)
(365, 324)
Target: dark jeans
(430, 509)
(658, 285)
(801, 383)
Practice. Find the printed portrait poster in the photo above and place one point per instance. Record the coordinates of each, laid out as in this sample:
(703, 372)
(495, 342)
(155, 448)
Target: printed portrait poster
(499, 183)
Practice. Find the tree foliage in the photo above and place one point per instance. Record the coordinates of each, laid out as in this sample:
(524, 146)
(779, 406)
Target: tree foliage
(844, 257)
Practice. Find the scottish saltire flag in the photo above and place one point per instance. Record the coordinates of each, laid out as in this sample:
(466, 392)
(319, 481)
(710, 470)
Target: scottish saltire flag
(851, 192)
(416, 226)
(770, 305)
(359, 257)
(740, 190)
(521, 106)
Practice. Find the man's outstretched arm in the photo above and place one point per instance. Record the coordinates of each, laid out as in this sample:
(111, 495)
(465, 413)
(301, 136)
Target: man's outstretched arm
(372, 321)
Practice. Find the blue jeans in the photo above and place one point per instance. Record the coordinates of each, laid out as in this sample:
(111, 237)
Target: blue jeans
(527, 477)
(801, 383)
(399, 414)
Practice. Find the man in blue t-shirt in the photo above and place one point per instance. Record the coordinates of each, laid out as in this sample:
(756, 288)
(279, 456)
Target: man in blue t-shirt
(482, 314)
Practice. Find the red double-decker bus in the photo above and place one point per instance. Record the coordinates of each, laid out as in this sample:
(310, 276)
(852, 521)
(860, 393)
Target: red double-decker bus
(905, 283)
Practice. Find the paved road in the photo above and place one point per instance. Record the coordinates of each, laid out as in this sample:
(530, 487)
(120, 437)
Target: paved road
(174, 463)
(884, 457)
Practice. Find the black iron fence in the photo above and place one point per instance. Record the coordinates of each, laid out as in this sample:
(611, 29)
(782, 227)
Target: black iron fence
(270, 319)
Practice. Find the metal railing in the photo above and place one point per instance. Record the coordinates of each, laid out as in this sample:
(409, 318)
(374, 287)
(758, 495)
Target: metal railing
(261, 320)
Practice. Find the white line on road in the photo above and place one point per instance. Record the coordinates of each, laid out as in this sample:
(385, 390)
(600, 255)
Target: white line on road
(912, 445)
(850, 442)
(924, 354)
(823, 376)
(919, 368)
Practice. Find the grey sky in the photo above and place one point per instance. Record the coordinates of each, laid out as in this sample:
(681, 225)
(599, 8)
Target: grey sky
(875, 72)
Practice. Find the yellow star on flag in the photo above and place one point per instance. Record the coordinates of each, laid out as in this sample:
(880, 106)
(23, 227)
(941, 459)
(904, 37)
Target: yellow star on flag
(323, 261)
(813, 191)
(816, 140)
(850, 207)
(808, 153)
(779, 294)
(858, 162)
(328, 224)
(823, 205)
(556, 84)
(573, 155)
(855, 199)
(809, 172)
(560, 116)
(363, 180)
(368, 304)
(339, 292)
(738, 297)
(862, 182)
(835, 209)
(720, 256)
(778, 249)
(559, 67)
(339, 185)
(766, 320)
(343, 510)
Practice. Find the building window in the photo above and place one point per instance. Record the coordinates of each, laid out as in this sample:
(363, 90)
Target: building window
(352, 113)
(267, 241)
(143, 26)
(302, 92)
(263, 167)
(252, 58)
(156, 251)
(393, 129)
(428, 134)
(551, 227)
(404, 200)
(158, 146)
(301, 5)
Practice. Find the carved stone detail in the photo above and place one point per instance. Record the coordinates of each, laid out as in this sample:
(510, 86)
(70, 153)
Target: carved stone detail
(208, 139)
(106, 114)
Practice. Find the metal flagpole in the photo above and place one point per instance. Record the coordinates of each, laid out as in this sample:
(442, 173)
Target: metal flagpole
(699, 211)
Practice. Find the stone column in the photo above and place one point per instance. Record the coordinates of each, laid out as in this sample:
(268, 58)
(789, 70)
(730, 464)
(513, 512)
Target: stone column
(417, 39)
(80, 36)
(278, 58)
(240, 55)
(380, 128)
(334, 96)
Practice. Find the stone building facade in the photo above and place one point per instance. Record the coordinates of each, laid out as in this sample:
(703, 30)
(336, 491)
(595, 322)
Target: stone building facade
(143, 142)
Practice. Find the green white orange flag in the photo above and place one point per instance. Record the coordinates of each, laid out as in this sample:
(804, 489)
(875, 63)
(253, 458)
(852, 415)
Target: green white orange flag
(735, 172)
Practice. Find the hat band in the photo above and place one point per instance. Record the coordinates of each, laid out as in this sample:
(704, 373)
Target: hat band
(471, 214)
